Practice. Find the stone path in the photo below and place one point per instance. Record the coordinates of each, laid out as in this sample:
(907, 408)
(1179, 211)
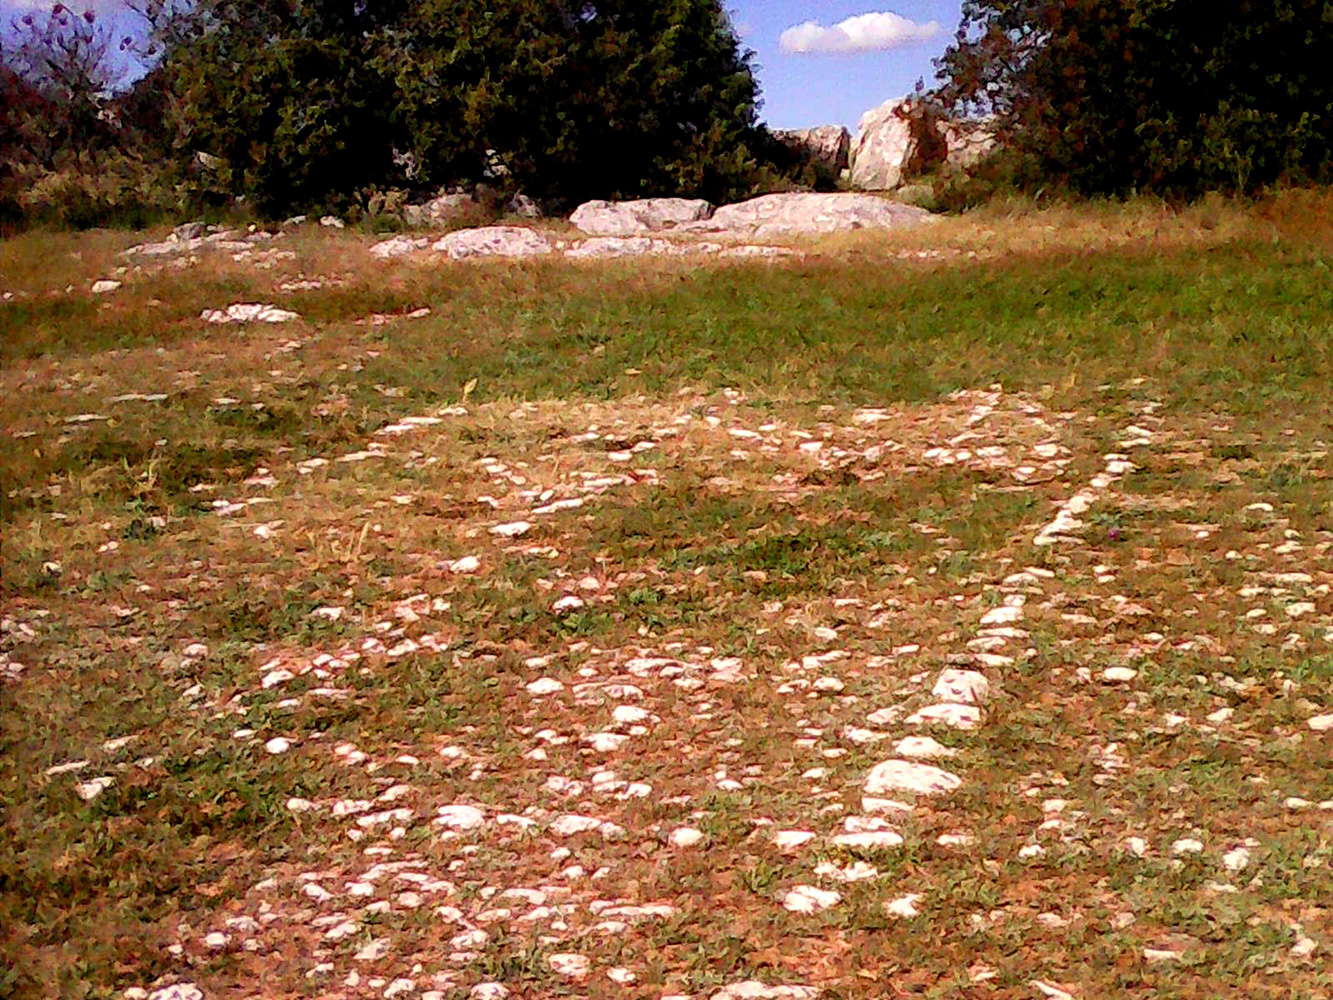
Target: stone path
(611, 756)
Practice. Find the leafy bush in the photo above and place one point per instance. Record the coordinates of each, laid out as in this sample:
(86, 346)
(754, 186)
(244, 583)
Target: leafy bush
(1173, 96)
(72, 153)
(85, 193)
(309, 102)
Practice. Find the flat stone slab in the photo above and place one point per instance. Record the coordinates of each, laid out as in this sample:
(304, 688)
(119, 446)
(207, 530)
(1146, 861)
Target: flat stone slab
(799, 214)
(633, 218)
(910, 776)
(494, 241)
(248, 312)
(399, 246)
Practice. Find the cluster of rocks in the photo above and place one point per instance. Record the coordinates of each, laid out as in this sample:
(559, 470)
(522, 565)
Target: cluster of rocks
(890, 144)
(469, 204)
(642, 227)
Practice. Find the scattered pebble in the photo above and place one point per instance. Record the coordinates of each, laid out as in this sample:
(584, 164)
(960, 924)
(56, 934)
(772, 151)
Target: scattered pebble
(809, 899)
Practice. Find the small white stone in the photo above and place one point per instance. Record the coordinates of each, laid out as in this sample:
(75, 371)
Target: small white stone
(857, 871)
(966, 687)
(68, 766)
(621, 976)
(1005, 615)
(1220, 716)
(177, 991)
(512, 529)
(922, 747)
(955, 840)
(904, 906)
(1236, 860)
(216, 941)
(1119, 675)
(630, 714)
(570, 825)
(1136, 846)
(570, 966)
(570, 602)
(790, 840)
(278, 745)
(870, 804)
(906, 775)
(1321, 723)
(544, 686)
(470, 940)
(868, 841)
(460, 817)
(89, 790)
(810, 899)
(373, 949)
(685, 836)
(467, 564)
(1050, 991)
(947, 714)
(1304, 948)
(1031, 851)
(1156, 955)
(606, 742)
(489, 991)
(1186, 845)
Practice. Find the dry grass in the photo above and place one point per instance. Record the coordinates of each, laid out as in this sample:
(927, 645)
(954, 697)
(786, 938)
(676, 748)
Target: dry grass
(768, 507)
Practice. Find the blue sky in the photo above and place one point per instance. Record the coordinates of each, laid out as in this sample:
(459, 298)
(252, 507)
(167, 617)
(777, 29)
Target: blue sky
(847, 74)
(819, 61)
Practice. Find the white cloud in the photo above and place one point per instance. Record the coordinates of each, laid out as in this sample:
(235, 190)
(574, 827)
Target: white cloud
(877, 31)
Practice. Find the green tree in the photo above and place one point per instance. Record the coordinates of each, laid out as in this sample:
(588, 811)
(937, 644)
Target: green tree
(310, 101)
(1174, 96)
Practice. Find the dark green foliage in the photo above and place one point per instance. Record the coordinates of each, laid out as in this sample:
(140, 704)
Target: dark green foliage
(310, 101)
(1173, 96)
(70, 155)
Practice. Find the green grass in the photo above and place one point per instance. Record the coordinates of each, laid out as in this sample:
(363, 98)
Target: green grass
(710, 546)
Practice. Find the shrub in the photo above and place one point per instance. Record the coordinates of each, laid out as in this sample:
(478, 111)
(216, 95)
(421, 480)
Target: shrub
(1172, 96)
(308, 103)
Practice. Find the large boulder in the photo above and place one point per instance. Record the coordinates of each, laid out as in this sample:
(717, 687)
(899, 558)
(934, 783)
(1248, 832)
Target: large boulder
(633, 218)
(827, 147)
(968, 142)
(450, 207)
(493, 241)
(800, 214)
(399, 246)
(883, 148)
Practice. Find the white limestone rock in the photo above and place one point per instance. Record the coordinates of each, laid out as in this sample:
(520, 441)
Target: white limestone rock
(633, 218)
(513, 242)
(910, 776)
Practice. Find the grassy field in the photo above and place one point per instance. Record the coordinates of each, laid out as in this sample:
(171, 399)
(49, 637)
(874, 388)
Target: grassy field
(553, 641)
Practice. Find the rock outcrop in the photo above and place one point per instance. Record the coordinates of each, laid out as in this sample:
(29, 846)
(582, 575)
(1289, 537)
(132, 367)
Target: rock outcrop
(493, 241)
(883, 148)
(968, 143)
(634, 218)
(453, 206)
(828, 147)
(889, 146)
(799, 214)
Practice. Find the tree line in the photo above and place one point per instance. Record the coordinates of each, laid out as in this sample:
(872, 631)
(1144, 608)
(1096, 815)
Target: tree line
(307, 104)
